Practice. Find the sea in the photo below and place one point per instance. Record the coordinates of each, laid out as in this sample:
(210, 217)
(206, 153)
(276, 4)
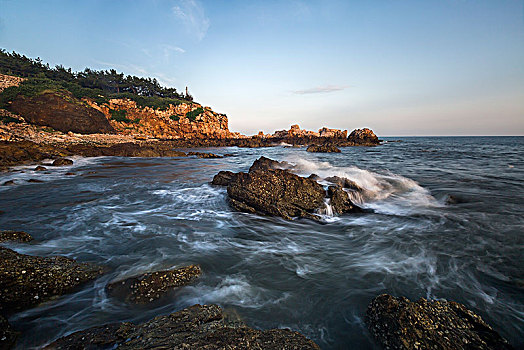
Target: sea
(446, 223)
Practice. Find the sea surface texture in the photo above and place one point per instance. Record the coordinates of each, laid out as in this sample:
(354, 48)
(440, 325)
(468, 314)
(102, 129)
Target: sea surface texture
(448, 223)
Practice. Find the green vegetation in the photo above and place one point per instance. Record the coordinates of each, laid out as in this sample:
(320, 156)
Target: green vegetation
(99, 86)
(175, 118)
(193, 114)
(120, 115)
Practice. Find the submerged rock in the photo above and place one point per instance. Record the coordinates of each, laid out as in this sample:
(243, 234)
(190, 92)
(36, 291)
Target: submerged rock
(40, 168)
(324, 148)
(15, 236)
(7, 334)
(196, 327)
(398, 323)
(9, 183)
(35, 181)
(26, 280)
(62, 162)
(204, 155)
(151, 286)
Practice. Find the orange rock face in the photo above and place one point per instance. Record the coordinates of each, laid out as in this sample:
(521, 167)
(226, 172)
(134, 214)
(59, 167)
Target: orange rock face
(171, 123)
(8, 81)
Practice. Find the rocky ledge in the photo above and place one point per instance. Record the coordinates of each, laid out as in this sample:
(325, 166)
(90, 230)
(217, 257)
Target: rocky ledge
(197, 327)
(151, 286)
(270, 188)
(323, 148)
(398, 323)
(15, 236)
(26, 281)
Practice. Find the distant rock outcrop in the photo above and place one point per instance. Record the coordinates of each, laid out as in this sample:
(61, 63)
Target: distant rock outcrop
(61, 111)
(398, 323)
(363, 137)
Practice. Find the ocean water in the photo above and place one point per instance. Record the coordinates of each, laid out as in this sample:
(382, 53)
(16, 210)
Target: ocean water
(136, 215)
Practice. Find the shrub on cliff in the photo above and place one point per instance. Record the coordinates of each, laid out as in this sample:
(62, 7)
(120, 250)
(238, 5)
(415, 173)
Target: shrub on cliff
(120, 115)
(194, 114)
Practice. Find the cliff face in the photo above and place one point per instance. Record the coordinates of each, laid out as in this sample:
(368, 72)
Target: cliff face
(8, 81)
(185, 120)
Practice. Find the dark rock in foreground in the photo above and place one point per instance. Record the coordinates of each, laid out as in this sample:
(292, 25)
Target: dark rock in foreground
(62, 162)
(398, 323)
(15, 236)
(344, 183)
(26, 281)
(323, 148)
(340, 201)
(151, 286)
(223, 178)
(7, 334)
(197, 327)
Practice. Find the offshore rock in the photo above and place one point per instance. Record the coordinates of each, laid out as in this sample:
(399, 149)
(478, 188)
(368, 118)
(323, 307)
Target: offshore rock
(7, 334)
(196, 327)
(323, 148)
(61, 111)
(151, 286)
(264, 163)
(363, 137)
(26, 281)
(15, 236)
(398, 323)
(40, 168)
(276, 192)
(340, 201)
(204, 155)
(62, 162)
(223, 178)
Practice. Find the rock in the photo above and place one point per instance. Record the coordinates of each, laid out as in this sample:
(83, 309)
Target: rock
(7, 334)
(26, 281)
(13, 153)
(196, 327)
(69, 173)
(344, 183)
(323, 148)
(398, 323)
(363, 137)
(276, 192)
(340, 201)
(264, 163)
(9, 183)
(314, 177)
(35, 181)
(223, 178)
(204, 155)
(62, 162)
(40, 168)
(16, 236)
(151, 286)
(61, 111)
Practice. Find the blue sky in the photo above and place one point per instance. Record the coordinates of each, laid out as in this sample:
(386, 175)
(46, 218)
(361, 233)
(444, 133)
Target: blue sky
(432, 67)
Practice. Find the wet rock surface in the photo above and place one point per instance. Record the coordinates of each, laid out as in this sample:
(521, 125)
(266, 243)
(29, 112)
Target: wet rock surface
(340, 201)
(323, 148)
(196, 327)
(15, 236)
(151, 286)
(26, 281)
(344, 183)
(40, 168)
(223, 178)
(62, 162)
(398, 323)
(7, 334)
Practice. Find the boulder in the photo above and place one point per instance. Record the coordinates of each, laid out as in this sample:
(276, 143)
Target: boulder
(223, 178)
(340, 201)
(398, 323)
(61, 111)
(276, 192)
(151, 286)
(15, 236)
(62, 162)
(8, 183)
(363, 137)
(264, 163)
(35, 181)
(7, 334)
(40, 168)
(323, 148)
(26, 281)
(196, 327)
(344, 182)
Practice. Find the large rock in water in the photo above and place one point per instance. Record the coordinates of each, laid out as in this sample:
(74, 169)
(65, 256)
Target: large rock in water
(398, 323)
(26, 280)
(197, 327)
(363, 137)
(151, 286)
(61, 111)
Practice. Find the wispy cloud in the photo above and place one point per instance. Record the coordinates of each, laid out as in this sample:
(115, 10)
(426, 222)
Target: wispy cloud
(321, 89)
(191, 13)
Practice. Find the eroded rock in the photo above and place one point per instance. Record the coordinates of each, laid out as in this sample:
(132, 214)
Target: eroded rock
(26, 280)
(62, 162)
(15, 236)
(196, 327)
(398, 323)
(223, 178)
(151, 286)
(364, 137)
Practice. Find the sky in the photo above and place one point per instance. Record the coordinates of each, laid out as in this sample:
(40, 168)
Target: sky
(399, 67)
